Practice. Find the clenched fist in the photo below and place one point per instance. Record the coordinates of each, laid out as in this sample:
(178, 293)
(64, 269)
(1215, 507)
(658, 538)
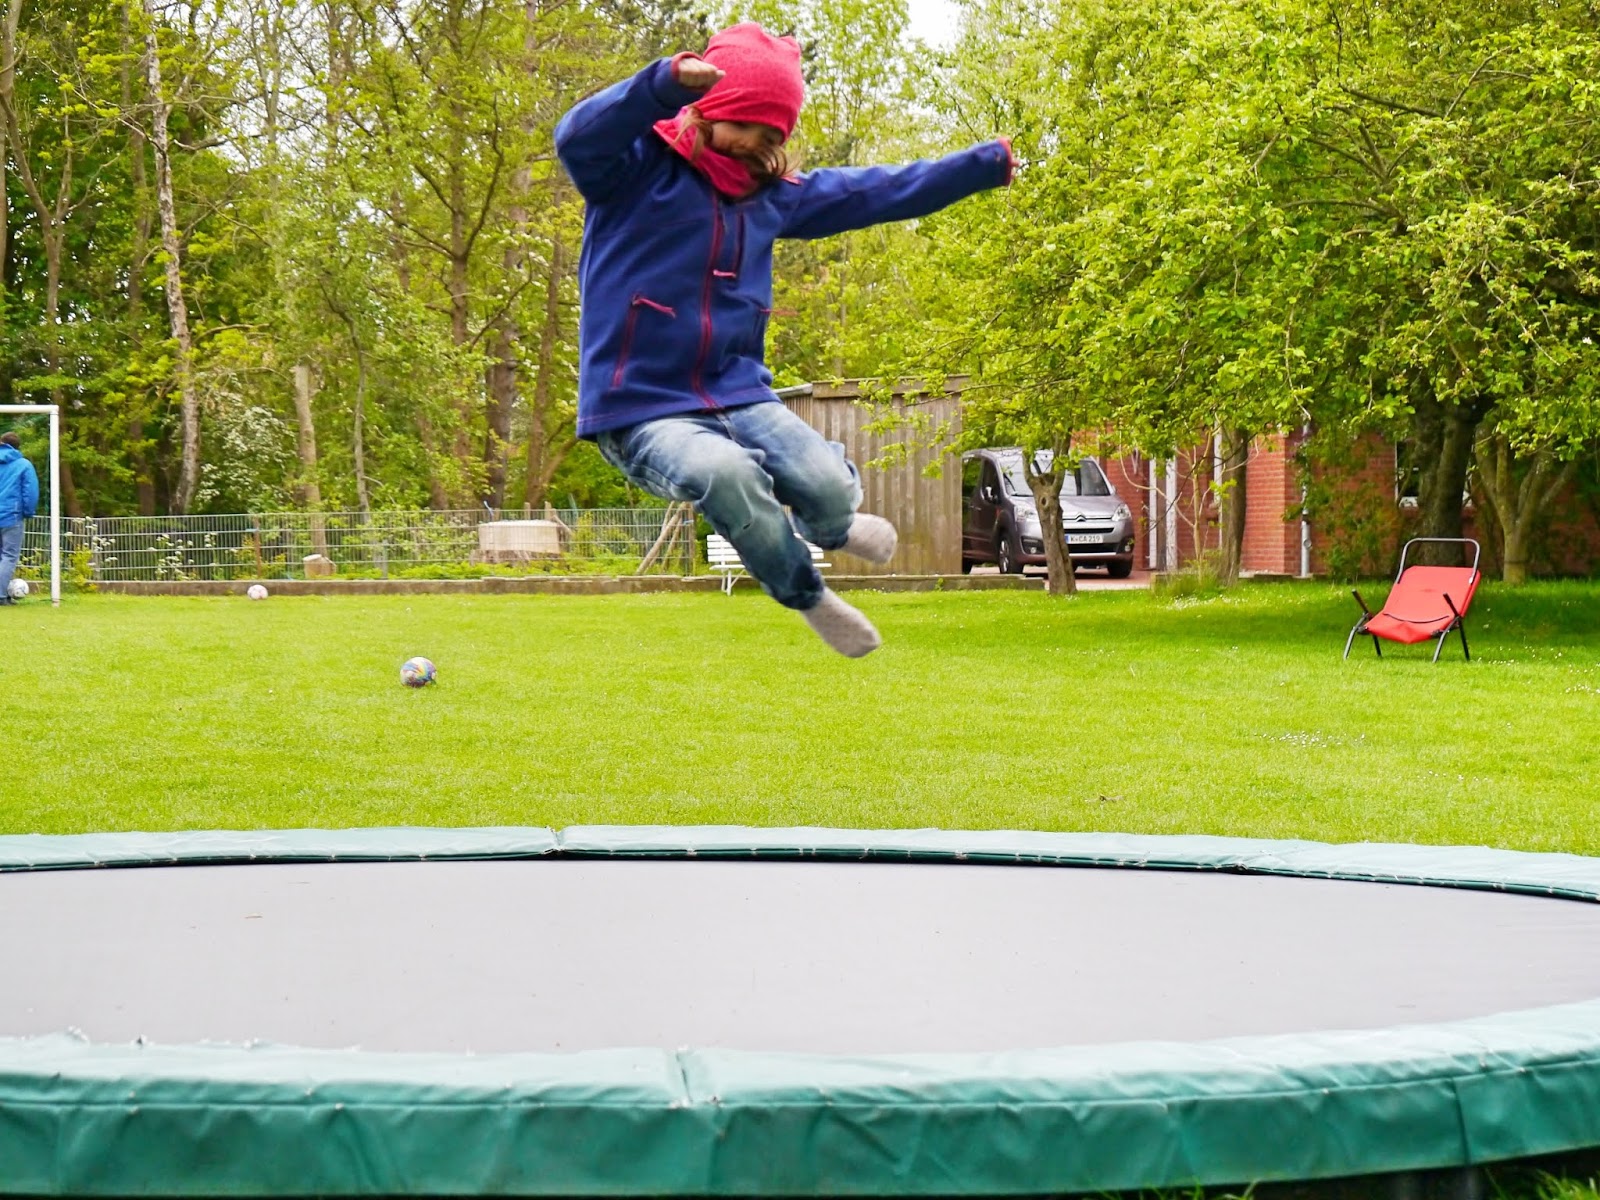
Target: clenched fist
(697, 74)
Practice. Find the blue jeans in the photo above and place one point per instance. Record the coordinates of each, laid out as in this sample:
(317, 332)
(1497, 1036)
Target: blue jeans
(739, 467)
(10, 553)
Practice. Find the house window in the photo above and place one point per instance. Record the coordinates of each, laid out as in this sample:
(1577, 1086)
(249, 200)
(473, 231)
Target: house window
(1407, 473)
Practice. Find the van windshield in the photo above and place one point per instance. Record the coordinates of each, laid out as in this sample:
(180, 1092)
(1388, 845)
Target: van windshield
(1087, 480)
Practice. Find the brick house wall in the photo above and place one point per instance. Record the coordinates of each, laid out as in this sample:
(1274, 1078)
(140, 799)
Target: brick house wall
(1358, 522)
(1167, 506)
(1571, 546)
(1126, 476)
(1272, 539)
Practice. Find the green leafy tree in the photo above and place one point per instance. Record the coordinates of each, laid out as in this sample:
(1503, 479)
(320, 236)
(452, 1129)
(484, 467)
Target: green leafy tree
(1249, 214)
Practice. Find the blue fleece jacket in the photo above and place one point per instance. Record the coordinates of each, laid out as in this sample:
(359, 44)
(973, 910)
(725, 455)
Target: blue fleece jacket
(676, 279)
(19, 487)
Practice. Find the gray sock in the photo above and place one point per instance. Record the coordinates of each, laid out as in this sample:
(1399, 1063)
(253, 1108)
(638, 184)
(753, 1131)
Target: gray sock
(844, 628)
(872, 538)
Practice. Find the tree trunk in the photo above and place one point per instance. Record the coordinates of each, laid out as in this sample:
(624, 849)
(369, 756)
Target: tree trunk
(460, 333)
(70, 504)
(358, 445)
(1516, 506)
(143, 478)
(8, 74)
(460, 296)
(6, 361)
(8, 81)
(310, 489)
(554, 456)
(54, 249)
(188, 393)
(501, 388)
(437, 496)
(1515, 560)
(1235, 451)
(1444, 451)
(503, 372)
(538, 471)
(838, 333)
(1046, 488)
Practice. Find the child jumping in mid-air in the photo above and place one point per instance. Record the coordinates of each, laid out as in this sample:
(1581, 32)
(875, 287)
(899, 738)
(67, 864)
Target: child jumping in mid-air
(687, 189)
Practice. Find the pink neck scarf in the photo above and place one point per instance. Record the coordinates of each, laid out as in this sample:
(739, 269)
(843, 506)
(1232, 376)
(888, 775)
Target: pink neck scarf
(728, 175)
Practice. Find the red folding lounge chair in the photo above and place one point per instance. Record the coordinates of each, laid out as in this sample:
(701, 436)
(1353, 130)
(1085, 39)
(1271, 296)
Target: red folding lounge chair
(1425, 602)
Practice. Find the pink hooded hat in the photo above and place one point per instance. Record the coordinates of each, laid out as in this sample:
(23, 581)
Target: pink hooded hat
(762, 84)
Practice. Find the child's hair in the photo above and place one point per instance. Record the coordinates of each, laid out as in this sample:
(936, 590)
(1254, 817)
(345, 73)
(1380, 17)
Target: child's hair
(771, 166)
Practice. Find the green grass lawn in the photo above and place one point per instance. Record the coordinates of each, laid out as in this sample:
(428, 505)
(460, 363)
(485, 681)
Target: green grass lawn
(1113, 711)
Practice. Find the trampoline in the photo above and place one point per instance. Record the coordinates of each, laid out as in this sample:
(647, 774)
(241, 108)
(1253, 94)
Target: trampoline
(719, 1011)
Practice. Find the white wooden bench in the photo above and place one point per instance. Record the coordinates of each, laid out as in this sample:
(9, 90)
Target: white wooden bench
(723, 558)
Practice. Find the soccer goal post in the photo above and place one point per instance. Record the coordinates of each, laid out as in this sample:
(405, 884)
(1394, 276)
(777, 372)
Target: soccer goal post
(53, 533)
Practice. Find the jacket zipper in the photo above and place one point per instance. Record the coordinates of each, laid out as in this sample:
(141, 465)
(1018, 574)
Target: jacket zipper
(697, 378)
(639, 301)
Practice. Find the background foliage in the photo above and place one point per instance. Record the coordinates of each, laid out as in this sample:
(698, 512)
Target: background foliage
(1234, 217)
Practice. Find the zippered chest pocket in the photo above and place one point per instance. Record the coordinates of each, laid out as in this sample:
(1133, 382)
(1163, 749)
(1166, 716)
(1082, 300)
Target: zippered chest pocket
(640, 306)
(729, 235)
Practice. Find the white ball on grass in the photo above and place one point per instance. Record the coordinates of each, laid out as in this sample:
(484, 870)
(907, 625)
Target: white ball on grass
(256, 592)
(18, 589)
(417, 672)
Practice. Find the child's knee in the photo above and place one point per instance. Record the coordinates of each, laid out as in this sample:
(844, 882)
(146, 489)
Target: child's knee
(826, 500)
(838, 493)
(734, 487)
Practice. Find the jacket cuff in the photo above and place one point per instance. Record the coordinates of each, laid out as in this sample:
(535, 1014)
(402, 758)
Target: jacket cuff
(664, 83)
(1011, 161)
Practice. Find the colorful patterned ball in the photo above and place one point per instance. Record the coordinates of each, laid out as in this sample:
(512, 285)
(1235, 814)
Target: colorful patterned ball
(416, 672)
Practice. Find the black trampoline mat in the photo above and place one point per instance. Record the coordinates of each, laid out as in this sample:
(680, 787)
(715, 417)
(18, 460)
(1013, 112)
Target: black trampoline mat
(830, 958)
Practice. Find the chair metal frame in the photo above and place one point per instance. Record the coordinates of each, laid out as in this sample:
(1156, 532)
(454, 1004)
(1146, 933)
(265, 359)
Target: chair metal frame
(1457, 623)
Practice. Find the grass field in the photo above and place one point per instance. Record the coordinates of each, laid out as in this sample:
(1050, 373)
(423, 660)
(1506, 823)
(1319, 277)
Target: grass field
(1113, 711)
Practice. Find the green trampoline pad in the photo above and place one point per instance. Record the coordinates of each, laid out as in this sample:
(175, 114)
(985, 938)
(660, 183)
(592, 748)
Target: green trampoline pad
(781, 1012)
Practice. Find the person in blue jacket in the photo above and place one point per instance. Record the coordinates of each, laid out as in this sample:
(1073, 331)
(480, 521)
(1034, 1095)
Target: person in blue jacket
(19, 500)
(686, 188)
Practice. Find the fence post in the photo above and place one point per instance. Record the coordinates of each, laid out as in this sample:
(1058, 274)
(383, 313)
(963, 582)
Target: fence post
(254, 536)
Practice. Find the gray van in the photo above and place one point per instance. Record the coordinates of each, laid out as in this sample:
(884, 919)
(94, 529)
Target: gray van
(1000, 524)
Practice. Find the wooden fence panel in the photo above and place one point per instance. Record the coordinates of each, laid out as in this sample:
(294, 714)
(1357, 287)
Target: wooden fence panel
(925, 509)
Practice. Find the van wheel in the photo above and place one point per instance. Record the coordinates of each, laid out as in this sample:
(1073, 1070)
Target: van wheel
(966, 566)
(1119, 570)
(1004, 555)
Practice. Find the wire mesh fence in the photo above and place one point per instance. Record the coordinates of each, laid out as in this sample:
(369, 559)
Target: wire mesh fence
(461, 543)
(35, 560)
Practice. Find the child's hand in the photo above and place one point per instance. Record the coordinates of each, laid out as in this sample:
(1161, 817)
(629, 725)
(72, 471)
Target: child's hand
(696, 74)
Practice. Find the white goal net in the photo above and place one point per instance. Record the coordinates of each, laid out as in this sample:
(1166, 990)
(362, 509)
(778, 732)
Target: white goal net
(39, 428)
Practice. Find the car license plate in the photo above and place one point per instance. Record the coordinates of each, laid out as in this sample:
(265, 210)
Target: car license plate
(1084, 539)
